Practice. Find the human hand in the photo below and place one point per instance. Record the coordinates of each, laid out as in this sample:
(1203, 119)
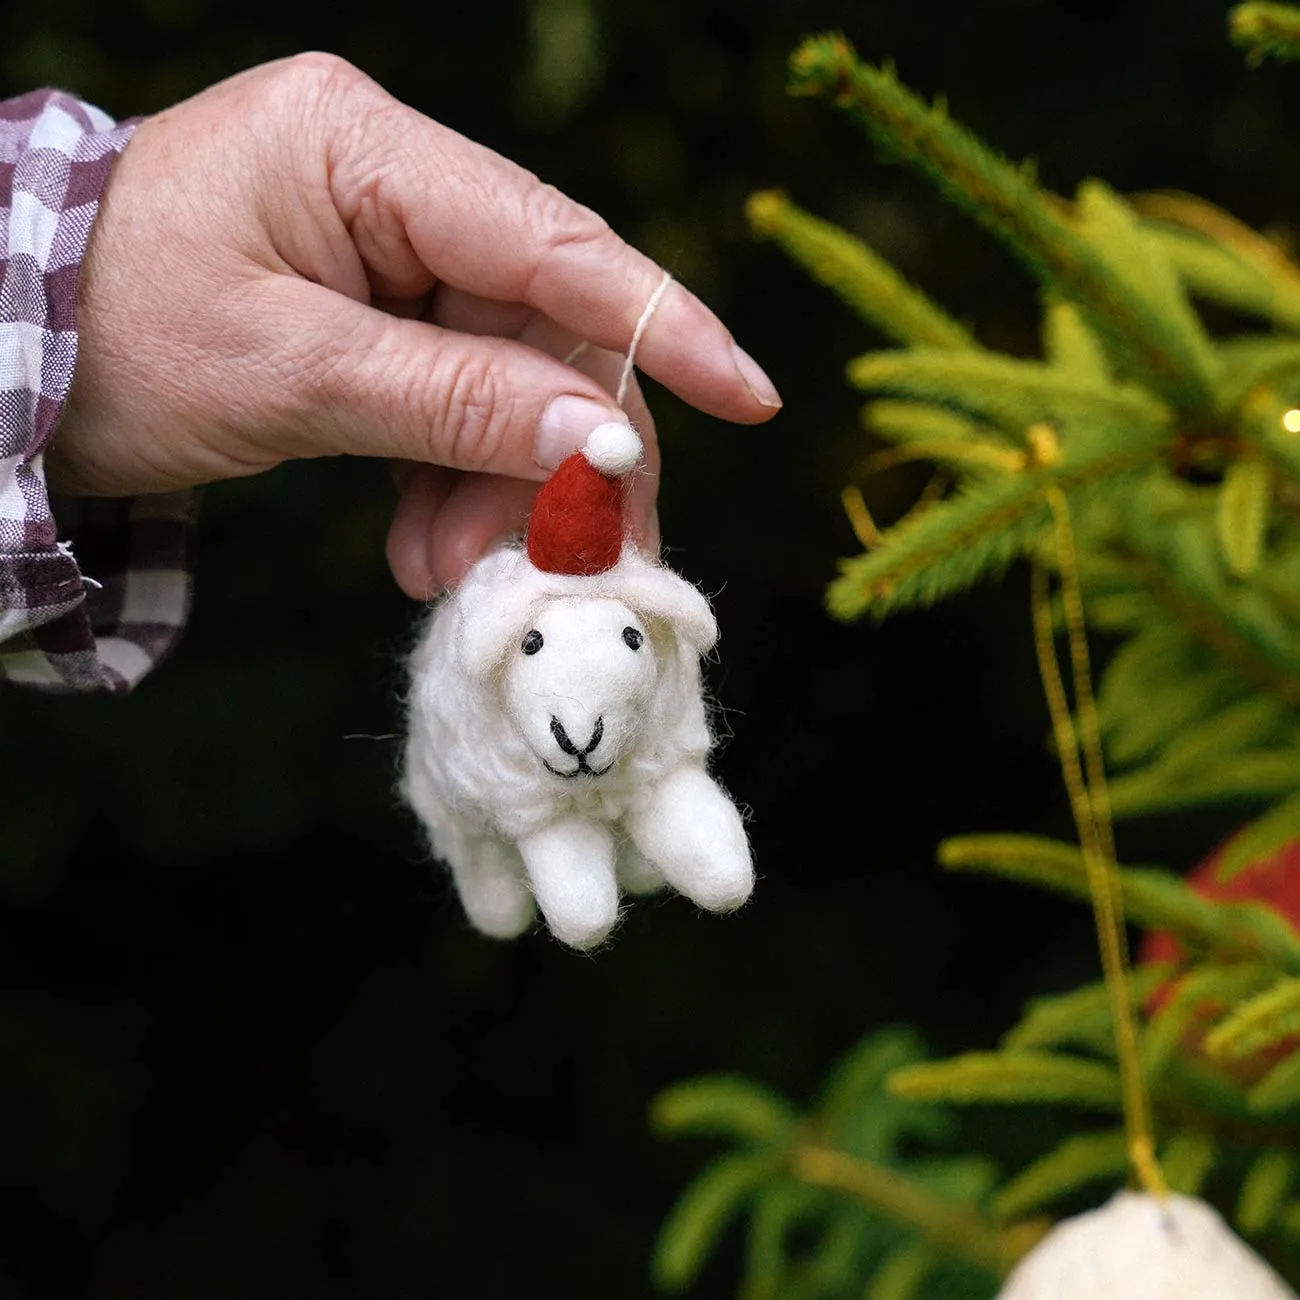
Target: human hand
(293, 264)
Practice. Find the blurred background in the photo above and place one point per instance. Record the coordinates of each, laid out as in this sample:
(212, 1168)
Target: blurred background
(248, 1046)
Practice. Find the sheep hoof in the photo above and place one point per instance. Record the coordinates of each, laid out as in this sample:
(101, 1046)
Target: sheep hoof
(570, 865)
(489, 879)
(692, 832)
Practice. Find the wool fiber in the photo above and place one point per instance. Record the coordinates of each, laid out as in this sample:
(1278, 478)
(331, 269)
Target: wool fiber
(1136, 1247)
(557, 745)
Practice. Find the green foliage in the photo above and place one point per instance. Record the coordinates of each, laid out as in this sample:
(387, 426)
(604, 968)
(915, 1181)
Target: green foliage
(1177, 449)
(977, 532)
(1081, 265)
(1187, 1159)
(722, 1107)
(704, 1210)
(831, 1198)
(1262, 838)
(1242, 514)
(1257, 1023)
(1267, 1182)
(1279, 1089)
(1010, 1077)
(1229, 276)
(1081, 1018)
(1076, 1162)
(1209, 986)
(1266, 31)
(863, 279)
(1152, 898)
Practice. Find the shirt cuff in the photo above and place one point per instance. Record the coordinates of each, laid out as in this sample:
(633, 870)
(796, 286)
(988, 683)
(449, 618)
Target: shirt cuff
(96, 600)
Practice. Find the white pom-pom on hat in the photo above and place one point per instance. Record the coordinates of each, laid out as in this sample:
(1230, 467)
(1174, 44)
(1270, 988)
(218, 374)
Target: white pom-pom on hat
(613, 447)
(1136, 1247)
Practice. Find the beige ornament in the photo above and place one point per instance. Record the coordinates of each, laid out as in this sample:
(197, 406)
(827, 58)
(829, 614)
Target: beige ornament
(1136, 1247)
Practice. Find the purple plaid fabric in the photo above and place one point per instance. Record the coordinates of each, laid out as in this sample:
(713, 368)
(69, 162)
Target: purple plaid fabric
(59, 629)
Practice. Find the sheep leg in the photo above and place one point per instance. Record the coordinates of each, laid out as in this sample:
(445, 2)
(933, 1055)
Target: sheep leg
(692, 832)
(570, 865)
(635, 874)
(489, 879)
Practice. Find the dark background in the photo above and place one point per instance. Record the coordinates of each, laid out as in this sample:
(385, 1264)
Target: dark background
(248, 1046)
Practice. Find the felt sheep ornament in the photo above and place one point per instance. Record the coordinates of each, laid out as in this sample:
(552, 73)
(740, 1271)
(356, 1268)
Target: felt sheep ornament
(1139, 1247)
(557, 736)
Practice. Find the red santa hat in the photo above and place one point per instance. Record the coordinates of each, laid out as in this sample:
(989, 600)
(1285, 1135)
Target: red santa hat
(577, 521)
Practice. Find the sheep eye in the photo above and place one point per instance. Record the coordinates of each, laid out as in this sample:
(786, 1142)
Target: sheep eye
(632, 638)
(532, 642)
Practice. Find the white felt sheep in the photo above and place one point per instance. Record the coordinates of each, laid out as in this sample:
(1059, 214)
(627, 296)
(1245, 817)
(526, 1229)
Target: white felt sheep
(557, 734)
(1136, 1247)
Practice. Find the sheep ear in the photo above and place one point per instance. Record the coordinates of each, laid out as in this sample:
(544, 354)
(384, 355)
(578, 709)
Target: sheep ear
(492, 607)
(659, 593)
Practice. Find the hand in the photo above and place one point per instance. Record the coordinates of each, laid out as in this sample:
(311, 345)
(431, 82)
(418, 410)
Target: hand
(294, 264)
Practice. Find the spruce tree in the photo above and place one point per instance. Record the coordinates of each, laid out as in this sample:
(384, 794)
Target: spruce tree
(1147, 469)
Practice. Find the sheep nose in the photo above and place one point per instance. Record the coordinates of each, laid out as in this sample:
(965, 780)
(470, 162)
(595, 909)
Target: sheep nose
(567, 746)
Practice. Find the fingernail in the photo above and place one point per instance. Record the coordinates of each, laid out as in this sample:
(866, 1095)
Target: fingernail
(564, 427)
(755, 378)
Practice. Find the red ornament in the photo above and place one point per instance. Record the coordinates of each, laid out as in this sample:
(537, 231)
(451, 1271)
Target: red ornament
(1273, 882)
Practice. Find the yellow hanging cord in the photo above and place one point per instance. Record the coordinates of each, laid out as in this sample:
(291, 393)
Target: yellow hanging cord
(1090, 804)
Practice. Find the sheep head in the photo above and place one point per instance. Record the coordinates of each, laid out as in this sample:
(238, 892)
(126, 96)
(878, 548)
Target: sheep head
(578, 684)
(563, 657)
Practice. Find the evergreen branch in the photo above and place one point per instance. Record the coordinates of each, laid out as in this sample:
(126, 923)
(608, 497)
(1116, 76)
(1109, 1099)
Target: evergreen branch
(1251, 360)
(956, 542)
(1187, 1159)
(1115, 230)
(1263, 837)
(1190, 212)
(856, 273)
(1269, 421)
(1244, 501)
(1006, 201)
(1082, 1017)
(1266, 31)
(852, 1112)
(953, 1228)
(1012, 393)
(1194, 997)
(1185, 717)
(1261, 1022)
(777, 1209)
(1251, 777)
(901, 1275)
(1209, 613)
(1279, 1089)
(703, 1211)
(835, 1264)
(1086, 1158)
(1010, 1077)
(1152, 898)
(1219, 275)
(723, 1105)
(1071, 346)
(905, 423)
(1267, 1181)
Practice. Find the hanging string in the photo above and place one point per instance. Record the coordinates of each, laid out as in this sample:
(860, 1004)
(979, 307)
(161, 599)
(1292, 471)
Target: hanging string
(647, 315)
(1085, 782)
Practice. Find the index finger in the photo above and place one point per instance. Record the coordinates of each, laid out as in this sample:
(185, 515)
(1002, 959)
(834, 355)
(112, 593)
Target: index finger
(405, 185)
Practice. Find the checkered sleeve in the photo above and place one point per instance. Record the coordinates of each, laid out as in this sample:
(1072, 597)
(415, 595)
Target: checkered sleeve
(93, 601)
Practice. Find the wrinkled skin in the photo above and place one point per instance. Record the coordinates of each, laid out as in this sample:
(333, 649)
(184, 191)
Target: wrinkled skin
(293, 264)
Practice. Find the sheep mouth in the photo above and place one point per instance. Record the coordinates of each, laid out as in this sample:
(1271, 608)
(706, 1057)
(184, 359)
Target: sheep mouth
(583, 769)
(568, 747)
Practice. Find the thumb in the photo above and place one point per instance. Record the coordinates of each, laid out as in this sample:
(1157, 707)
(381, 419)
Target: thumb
(380, 385)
